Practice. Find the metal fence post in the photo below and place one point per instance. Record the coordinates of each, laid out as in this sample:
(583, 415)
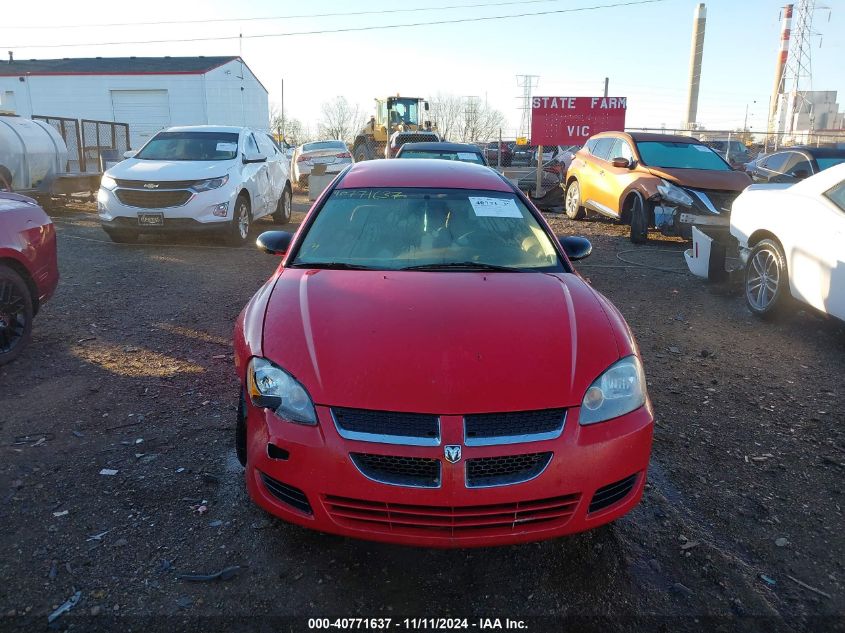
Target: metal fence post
(499, 153)
(539, 181)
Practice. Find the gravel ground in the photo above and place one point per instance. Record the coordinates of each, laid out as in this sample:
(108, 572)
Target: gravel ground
(130, 369)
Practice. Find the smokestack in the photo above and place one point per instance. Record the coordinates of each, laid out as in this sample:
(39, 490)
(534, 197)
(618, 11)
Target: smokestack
(786, 27)
(697, 52)
(11, 57)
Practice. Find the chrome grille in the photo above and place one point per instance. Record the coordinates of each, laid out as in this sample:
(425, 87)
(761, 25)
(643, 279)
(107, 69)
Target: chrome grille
(158, 184)
(418, 472)
(144, 199)
(412, 429)
(505, 470)
(488, 429)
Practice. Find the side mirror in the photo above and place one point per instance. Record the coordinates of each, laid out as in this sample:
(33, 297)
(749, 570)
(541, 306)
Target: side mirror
(254, 158)
(621, 163)
(129, 153)
(274, 242)
(800, 174)
(575, 247)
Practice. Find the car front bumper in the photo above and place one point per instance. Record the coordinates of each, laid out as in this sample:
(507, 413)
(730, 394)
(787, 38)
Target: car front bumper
(207, 210)
(312, 481)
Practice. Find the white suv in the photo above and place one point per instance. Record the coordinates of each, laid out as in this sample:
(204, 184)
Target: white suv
(196, 179)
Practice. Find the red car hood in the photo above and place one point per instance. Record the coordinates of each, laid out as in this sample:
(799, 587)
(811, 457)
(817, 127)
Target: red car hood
(704, 178)
(439, 342)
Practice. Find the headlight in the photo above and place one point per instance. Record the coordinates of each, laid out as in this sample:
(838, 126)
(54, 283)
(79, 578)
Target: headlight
(107, 182)
(619, 390)
(673, 193)
(273, 388)
(213, 183)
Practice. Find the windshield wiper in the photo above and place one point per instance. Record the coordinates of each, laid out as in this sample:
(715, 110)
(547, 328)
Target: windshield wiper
(464, 266)
(331, 266)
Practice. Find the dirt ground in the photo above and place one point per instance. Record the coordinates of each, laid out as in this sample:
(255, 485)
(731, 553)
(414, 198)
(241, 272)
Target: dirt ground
(130, 369)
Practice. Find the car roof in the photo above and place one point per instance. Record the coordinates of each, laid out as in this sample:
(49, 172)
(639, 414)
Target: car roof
(820, 152)
(421, 172)
(205, 128)
(659, 138)
(445, 147)
(824, 180)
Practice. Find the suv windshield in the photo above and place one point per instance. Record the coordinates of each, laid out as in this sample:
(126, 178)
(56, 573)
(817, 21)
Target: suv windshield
(191, 146)
(680, 156)
(456, 229)
(465, 157)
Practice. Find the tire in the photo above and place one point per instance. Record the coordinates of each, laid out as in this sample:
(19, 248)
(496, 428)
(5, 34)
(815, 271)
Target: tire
(240, 430)
(16, 314)
(767, 280)
(362, 152)
(639, 221)
(283, 208)
(238, 231)
(122, 236)
(572, 202)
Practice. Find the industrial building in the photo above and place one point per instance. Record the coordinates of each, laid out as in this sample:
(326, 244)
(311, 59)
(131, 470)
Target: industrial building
(148, 93)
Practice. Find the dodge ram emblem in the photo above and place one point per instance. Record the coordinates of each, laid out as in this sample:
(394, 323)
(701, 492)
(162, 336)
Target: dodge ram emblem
(453, 453)
(151, 185)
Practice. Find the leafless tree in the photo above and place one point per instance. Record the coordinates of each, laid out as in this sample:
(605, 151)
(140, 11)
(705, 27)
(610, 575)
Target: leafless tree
(295, 132)
(340, 120)
(465, 119)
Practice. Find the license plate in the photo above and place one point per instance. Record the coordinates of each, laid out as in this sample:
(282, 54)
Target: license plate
(324, 160)
(151, 219)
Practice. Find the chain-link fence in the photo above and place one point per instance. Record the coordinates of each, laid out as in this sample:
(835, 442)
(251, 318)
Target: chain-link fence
(68, 129)
(103, 142)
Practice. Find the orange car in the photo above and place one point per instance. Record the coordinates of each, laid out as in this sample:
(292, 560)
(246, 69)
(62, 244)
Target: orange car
(652, 180)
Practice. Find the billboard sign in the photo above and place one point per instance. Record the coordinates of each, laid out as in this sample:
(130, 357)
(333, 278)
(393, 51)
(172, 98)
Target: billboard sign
(572, 120)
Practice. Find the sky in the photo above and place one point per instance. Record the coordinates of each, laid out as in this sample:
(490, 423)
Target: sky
(644, 50)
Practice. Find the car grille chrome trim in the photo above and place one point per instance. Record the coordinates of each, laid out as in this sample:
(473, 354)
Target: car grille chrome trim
(523, 468)
(367, 464)
(553, 431)
(384, 438)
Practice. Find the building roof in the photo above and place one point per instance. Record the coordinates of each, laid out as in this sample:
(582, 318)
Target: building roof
(113, 66)
(421, 172)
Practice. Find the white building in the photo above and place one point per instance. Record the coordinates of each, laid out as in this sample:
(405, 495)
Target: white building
(148, 93)
(806, 111)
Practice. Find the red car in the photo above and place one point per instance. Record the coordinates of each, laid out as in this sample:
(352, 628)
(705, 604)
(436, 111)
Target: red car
(28, 269)
(426, 367)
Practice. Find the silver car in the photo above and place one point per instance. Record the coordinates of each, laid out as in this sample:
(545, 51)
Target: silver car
(334, 155)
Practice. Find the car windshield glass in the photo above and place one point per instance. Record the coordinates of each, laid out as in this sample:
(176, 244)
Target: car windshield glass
(829, 161)
(466, 157)
(680, 156)
(320, 145)
(391, 229)
(191, 146)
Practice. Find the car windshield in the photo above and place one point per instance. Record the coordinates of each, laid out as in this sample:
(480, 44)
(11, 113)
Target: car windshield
(680, 156)
(450, 229)
(466, 157)
(191, 146)
(322, 145)
(829, 161)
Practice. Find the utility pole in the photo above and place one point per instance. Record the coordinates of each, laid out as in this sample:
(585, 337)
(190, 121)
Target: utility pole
(283, 112)
(606, 82)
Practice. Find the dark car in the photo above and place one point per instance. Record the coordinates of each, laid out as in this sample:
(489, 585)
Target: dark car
(733, 151)
(794, 164)
(463, 152)
(494, 149)
(28, 270)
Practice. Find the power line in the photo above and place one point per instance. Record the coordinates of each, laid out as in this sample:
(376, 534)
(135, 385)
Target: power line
(348, 29)
(284, 17)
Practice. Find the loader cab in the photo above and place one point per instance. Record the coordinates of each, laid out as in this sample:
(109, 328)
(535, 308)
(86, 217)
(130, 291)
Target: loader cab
(396, 111)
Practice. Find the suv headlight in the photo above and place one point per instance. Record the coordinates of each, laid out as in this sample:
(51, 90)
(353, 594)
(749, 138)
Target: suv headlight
(107, 182)
(273, 388)
(211, 183)
(619, 390)
(673, 193)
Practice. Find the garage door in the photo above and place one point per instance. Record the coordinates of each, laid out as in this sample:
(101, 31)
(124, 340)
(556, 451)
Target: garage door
(146, 112)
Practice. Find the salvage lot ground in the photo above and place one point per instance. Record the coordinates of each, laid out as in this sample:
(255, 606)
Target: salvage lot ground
(130, 369)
